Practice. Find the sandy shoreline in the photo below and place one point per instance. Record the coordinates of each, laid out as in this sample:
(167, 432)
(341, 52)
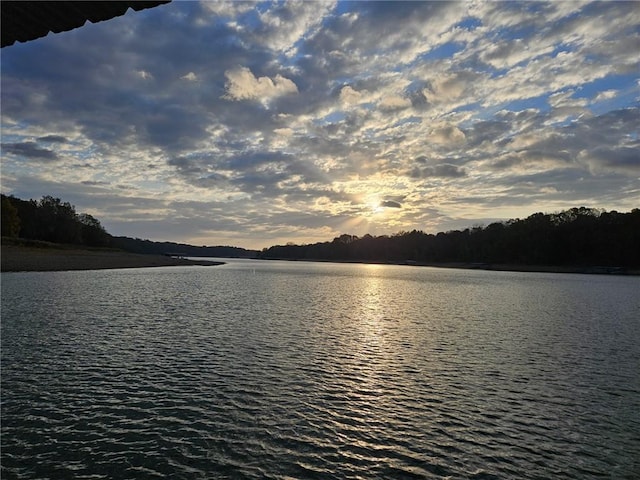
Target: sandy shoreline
(29, 259)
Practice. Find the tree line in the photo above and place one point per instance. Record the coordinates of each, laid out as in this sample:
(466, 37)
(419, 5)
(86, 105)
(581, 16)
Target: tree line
(137, 245)
(52, 220)
(575, 237)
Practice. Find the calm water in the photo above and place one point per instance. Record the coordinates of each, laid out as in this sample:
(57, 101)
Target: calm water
(300, 370)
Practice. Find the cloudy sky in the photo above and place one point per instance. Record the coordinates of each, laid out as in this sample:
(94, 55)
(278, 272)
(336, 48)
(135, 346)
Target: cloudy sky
(253, 124)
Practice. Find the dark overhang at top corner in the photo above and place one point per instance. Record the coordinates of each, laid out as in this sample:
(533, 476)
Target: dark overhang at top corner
(23, 21)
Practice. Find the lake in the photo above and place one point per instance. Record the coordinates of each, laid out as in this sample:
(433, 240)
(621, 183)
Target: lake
(259, 369)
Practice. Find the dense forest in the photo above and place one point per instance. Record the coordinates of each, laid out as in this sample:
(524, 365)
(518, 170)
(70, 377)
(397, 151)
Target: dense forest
(577, 237)
(51, 220)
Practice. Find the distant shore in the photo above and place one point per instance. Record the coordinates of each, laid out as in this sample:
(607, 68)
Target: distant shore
(486, 266)
(15, 258)
(21, 258)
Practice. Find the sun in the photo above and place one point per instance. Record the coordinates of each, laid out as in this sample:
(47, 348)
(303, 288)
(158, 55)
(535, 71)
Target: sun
(374, 206)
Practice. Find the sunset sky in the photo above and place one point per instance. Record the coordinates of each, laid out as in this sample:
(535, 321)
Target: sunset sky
(252, 124)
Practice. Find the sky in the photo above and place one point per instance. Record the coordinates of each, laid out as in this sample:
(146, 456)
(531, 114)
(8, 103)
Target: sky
(255, 124)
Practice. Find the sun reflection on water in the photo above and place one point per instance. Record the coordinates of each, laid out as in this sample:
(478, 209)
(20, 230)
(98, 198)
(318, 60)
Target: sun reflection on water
(370, 302)
(371, 354)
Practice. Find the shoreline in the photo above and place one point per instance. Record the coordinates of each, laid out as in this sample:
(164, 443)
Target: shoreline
(15, 258)
(20, 258)
(587, 270)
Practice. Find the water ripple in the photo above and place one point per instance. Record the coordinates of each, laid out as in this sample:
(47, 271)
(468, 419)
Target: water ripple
(318, 371)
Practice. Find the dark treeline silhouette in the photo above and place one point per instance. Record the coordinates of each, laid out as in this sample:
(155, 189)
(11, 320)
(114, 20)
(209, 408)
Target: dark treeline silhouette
(576, 237)
(51, 220)
(137, 245)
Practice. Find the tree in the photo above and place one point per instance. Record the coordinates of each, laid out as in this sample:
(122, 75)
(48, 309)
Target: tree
(10, 219)
(92, 232)
(59, 221)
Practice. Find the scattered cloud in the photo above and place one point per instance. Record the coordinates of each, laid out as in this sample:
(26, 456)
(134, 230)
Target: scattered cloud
(192, 77)
(53, 139)
(443, 170)
(350, 96)
(243, 85)
(93, 182)
(606, 95)
(390, 204)
(30, 150)
(395, 102)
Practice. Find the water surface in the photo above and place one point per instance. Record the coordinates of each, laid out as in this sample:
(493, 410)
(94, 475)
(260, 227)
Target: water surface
(316, 370)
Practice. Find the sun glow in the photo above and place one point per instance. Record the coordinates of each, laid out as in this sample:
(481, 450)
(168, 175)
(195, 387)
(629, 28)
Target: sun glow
(374, 206)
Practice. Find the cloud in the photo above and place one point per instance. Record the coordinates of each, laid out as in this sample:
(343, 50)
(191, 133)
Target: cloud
(243, 85)
(448, 87)
(192, 77)
(53, 139)
(390, 204)
(30, 150)
(613, 159)
(228, 10)
(443, 170)
(447, 134)
(287, 132)
(93, 183)
(349, 95)
(143, 74)
(395, 102)
(288, 23)
(606, 95)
